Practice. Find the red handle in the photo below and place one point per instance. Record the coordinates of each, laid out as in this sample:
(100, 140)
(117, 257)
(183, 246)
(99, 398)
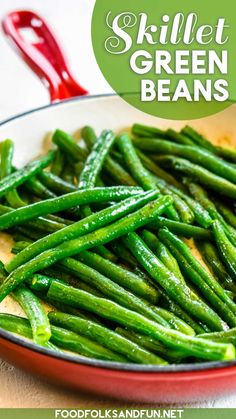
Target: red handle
(44, 55)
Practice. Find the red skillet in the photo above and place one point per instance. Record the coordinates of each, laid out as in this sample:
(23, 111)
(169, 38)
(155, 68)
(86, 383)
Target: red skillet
(177, 383)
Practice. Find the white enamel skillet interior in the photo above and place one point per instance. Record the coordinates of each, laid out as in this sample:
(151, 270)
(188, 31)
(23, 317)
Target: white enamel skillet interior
(29, 130)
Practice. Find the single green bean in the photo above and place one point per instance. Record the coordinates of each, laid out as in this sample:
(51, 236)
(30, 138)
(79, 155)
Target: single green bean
(146, 131)
(21, 326)
(132, 161)
(94, 162)
(228, 336)
(90, 172)
(138, 171)
(56, 184)
(226, 212)
(35, 313)
(226, 248)
(89, 136)
(85, 196)
(7, 151)
(35, 187)
(182, 229)
(20, 176)
(58, 163)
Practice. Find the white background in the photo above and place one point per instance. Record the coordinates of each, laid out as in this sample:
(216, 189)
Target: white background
(20, 90)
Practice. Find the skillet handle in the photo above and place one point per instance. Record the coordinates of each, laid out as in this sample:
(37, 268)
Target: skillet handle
(42, 54)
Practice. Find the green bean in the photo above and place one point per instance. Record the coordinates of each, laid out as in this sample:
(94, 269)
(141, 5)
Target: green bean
(72, 247)
(183, 209)
(86, 225)
(174, 308)
(146, 131)
(74, 311)
(58, 219)
(58, 163)
(40, 283)
(21, 326)
(200, 213)
(34, 186)
(174, 321)
(20, 176)
(112, 290)
(20, 215)
(226, 212)
(112, 311)
(181, 229)
(125, 298)
(42, 224)
(197, 138)
(176, 289)
(118, 274)
(200, 194)
(35, 313)
(162, 253)
(138, 172)
(178, 137)
(89, 136)
(66, 143)
(211, 258)
(203, 176)
(7, 151)
(225, 247)
(68, 174)
(78, 169)
(95, 159)
(56, 184)
(76, 343)
(123, 253)
(90, 172)
(226, 153)
(34, 310)
(206, 283)
(228, 336)
(105, 337)
(151, 345)
(203, 142)
(193, 154)
(158, 171)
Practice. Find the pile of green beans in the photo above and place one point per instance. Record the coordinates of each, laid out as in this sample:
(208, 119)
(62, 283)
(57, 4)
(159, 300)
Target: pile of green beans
(123, 249)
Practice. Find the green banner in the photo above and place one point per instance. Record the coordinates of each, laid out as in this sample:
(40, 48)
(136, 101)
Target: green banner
(151, 413)
(176, 58)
